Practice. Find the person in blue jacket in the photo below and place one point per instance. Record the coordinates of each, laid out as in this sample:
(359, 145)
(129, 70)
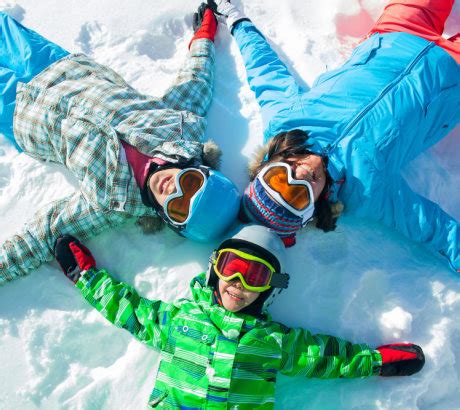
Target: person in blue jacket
(346, 139)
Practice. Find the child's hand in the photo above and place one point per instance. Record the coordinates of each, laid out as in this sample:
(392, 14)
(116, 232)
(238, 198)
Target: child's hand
(73, 257)
(401, 359)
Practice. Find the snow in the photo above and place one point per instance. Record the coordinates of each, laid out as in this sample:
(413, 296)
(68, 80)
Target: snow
(364, 282)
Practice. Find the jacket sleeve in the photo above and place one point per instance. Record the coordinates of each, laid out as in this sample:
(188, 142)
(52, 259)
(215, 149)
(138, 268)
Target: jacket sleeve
(121, 305)
(193, 88)
(34, 244)
(273, 85)
(423, 221)
(325, 357)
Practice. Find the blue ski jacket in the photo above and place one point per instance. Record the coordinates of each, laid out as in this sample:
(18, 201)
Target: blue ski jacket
(397, 95)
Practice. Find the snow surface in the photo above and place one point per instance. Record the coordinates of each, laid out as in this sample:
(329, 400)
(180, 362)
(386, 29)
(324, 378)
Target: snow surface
(363, 282)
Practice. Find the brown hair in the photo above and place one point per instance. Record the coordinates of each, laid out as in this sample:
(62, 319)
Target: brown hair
(293, 143)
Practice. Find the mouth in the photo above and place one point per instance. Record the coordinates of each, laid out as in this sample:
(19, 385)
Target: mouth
(234, 296)
(162, 184)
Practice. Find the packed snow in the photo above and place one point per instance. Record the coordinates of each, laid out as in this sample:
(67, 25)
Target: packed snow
(363, 282)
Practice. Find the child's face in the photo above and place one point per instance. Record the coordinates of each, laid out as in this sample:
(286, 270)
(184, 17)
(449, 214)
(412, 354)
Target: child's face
(162, 184)
(234, 296)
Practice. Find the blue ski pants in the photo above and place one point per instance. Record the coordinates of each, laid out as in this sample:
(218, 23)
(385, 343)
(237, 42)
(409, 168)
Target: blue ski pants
(23, 55)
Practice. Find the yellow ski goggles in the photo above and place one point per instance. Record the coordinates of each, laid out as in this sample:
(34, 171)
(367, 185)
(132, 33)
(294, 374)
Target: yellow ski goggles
(255, 274)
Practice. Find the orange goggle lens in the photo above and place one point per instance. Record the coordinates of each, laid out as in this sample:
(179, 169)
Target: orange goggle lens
(297, 196)
(190, 182)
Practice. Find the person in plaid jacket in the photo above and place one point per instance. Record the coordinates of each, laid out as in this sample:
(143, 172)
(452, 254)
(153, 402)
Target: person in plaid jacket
(134, 155)
(221, 350)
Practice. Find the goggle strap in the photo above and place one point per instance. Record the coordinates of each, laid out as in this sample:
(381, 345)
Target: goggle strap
(280, 280)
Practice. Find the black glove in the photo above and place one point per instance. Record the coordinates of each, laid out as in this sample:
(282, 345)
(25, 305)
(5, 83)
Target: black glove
(73, 256)
(213, 6)
(401, 359)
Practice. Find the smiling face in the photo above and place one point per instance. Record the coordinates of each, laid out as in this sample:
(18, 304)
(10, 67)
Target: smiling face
(162, 184)
(310, 168)
(234, 296)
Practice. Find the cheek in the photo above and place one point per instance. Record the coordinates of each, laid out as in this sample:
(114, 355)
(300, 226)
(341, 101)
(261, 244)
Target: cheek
(222, 287)
(251, 297)
(318, 188)
(159, 198)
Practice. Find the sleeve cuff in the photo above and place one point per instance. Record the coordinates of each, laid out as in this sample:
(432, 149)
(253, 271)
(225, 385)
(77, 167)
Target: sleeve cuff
(376, 362)
(202, 47)
(236, 22)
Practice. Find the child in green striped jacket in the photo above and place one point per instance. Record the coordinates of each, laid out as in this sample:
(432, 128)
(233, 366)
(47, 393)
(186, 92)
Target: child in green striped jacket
(220, 349)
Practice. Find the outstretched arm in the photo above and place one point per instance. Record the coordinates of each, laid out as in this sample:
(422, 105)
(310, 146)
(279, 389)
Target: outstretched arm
(321, 356)
(273, 85)
(118, 302)
(121, 305)
(423, 221)
(33, 245)
(268, 77)
(325, 357)
(193, 88)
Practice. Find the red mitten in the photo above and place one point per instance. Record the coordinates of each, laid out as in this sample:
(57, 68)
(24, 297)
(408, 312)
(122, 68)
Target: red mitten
(401, 359)
(73, 257)
(82, 255)
(204, 24)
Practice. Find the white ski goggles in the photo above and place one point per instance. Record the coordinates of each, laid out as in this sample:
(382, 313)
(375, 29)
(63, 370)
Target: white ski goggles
(189, 182)
(293, 194)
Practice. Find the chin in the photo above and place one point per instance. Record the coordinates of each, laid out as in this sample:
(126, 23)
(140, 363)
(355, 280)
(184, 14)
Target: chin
(231, 307)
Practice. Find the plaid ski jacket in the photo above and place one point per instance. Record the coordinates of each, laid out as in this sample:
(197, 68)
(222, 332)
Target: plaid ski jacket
(212, 358)
(75, 113)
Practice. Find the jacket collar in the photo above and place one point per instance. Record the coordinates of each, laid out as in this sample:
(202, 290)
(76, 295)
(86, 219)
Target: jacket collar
(232, 325)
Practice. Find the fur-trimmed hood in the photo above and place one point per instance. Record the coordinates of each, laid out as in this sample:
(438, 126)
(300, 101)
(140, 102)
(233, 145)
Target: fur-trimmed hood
(257, 159)
(212, 155)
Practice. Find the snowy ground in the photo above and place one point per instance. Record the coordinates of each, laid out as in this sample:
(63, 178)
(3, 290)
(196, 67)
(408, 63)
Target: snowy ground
(362, 282)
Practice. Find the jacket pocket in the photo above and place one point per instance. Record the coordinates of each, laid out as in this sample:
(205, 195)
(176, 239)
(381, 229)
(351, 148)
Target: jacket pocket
(191, 350)
(361, 55)
(148, 131)
(379, 140)
(199, 336)
(442, 114)
(365, 51)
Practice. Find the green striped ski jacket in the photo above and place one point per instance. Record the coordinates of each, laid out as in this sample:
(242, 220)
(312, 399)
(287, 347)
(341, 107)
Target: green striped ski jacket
(212, 358)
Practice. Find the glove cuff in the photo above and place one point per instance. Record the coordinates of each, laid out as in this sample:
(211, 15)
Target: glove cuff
(234, 16)
(376, 362)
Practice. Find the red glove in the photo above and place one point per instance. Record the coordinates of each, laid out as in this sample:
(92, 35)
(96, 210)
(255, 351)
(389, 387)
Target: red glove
(401, 359)
(288, 241)
(204, 24)
(73, 257)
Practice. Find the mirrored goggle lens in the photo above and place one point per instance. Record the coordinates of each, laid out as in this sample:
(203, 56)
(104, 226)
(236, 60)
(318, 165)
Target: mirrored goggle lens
(296, 195)
(190, 182)
(255, 273)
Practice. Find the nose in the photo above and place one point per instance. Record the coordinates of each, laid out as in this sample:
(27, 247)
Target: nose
(171, 187)
(298, 172)
(237, 283)
(301, 172)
